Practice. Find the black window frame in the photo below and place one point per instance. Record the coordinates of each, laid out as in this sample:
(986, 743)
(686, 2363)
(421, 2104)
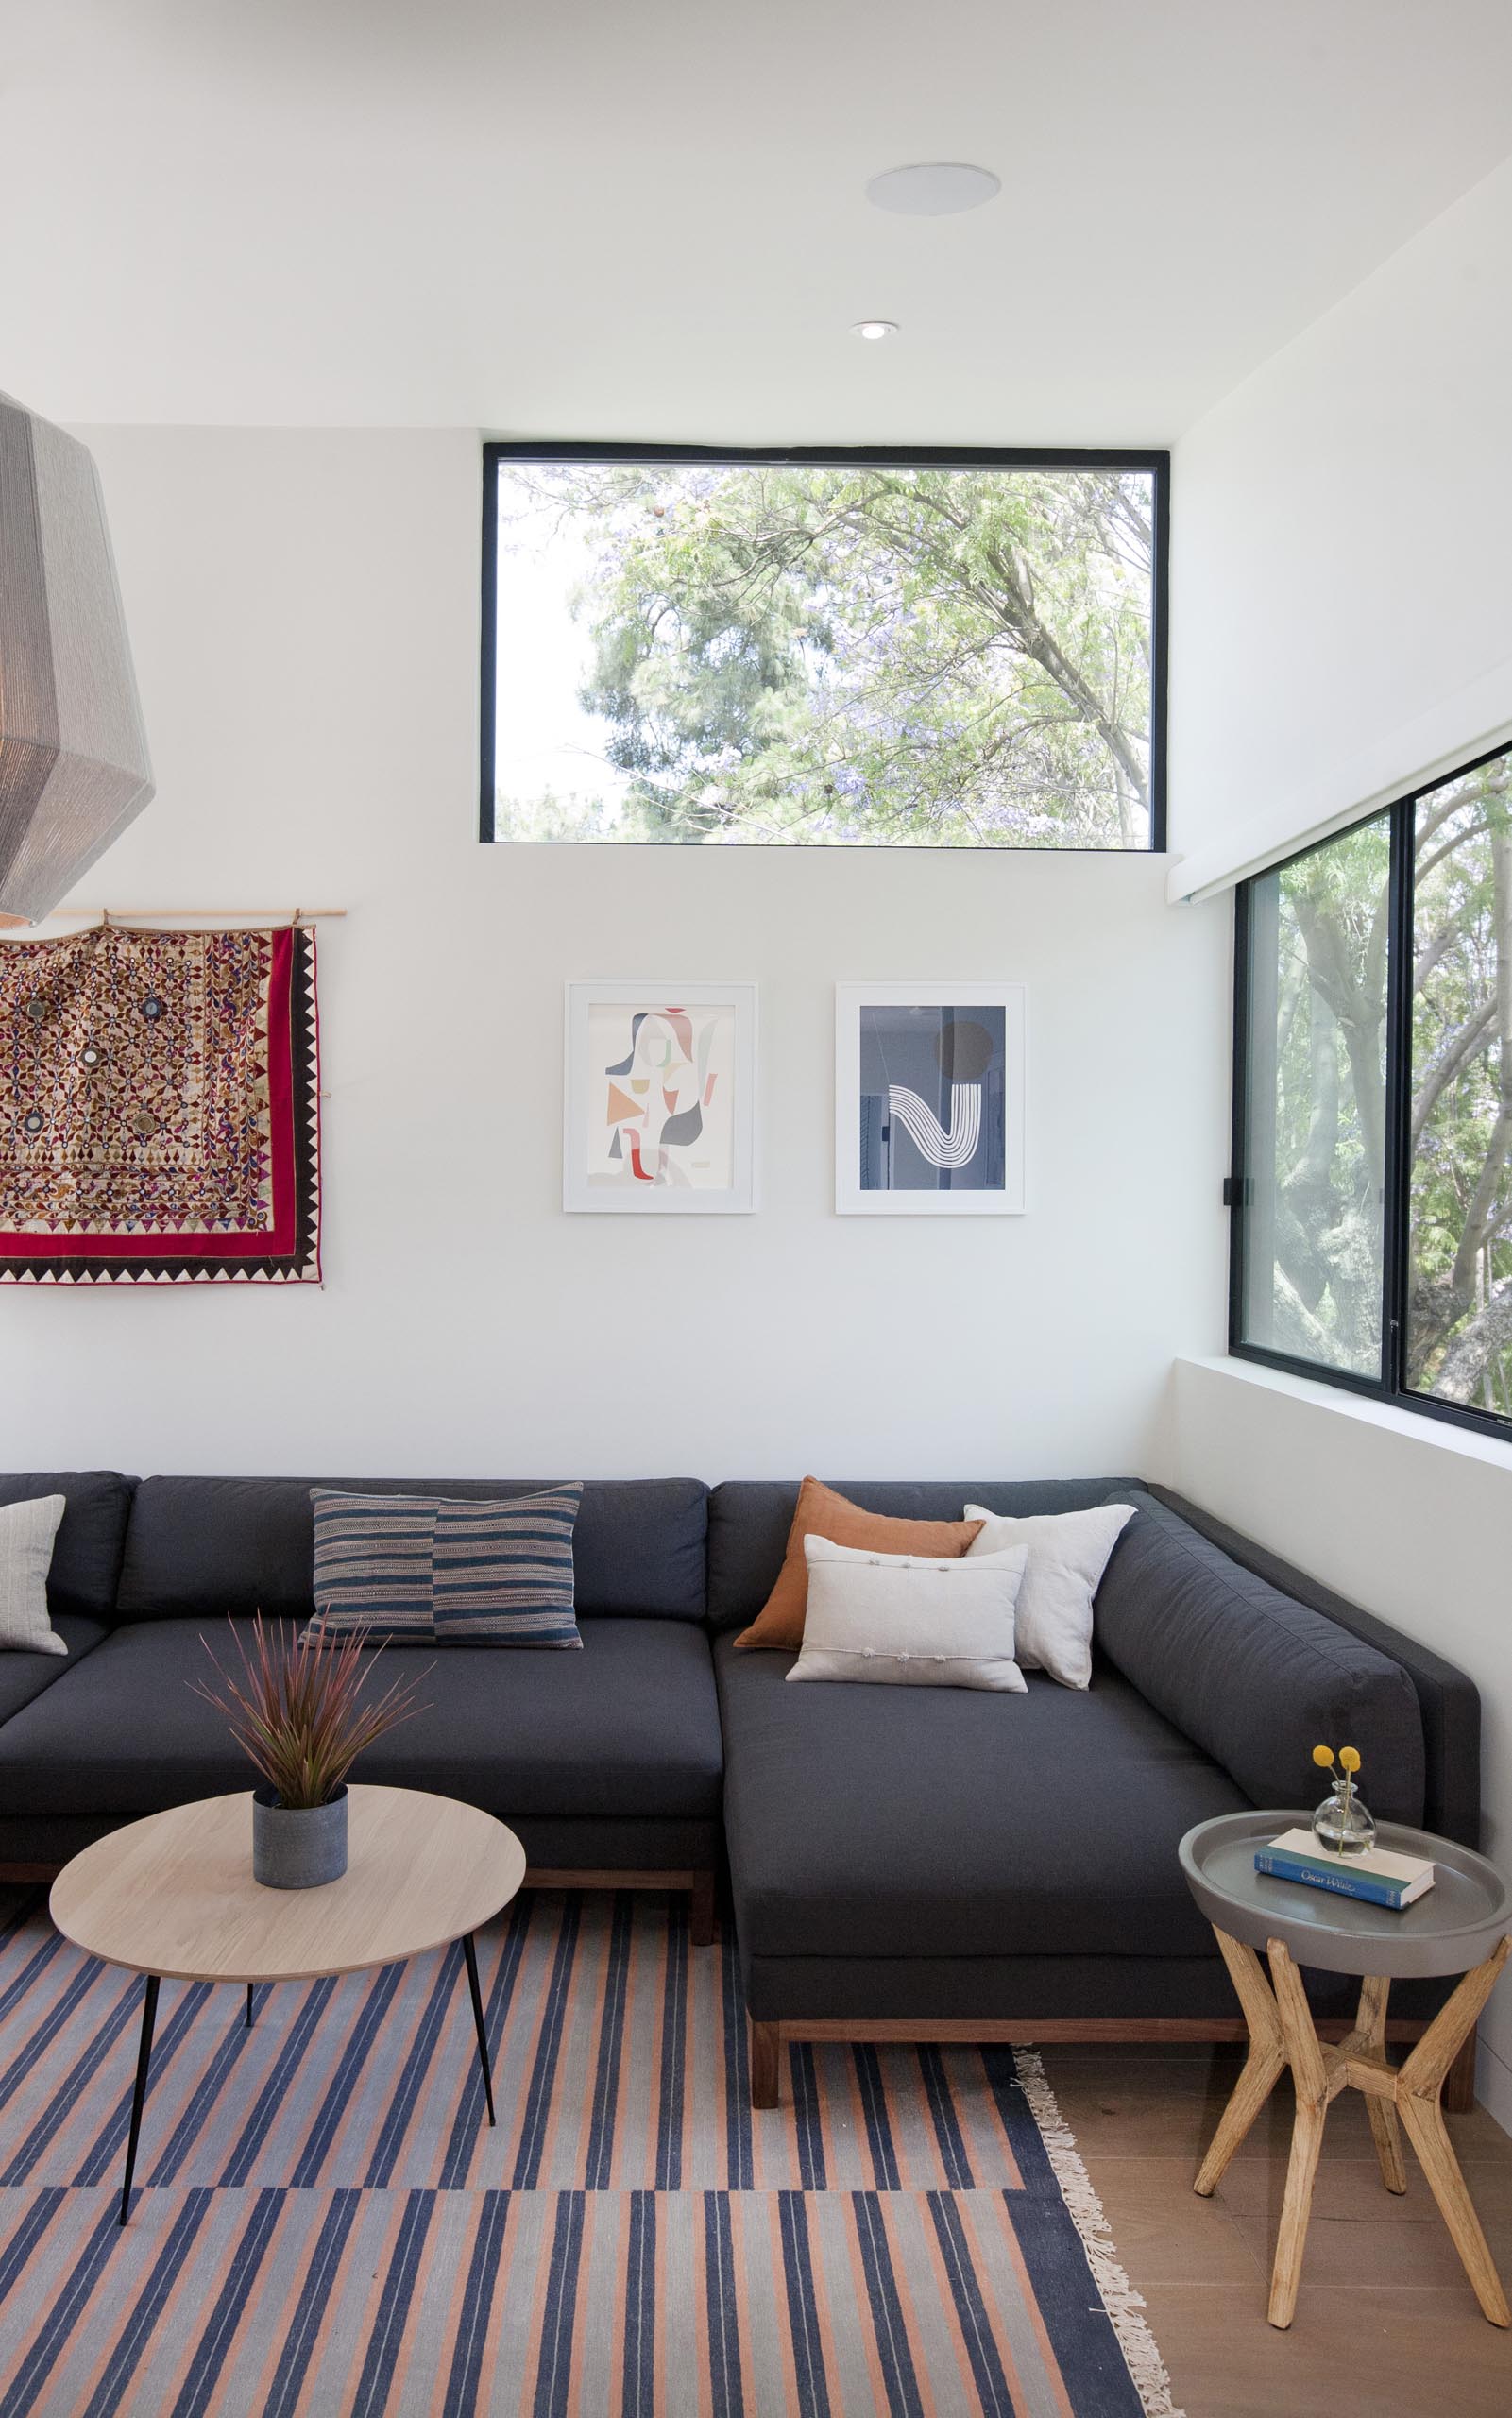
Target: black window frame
(1155, 461)
(1389, 1386)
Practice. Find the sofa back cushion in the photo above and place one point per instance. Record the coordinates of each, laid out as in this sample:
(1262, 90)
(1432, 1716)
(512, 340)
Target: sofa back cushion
(1250, 1674)
(749, 1520)
(1448, 1699)
(199, 1545)
(86, 1562)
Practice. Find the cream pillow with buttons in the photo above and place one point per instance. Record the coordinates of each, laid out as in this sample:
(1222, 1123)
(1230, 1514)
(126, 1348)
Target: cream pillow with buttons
(907, 1620)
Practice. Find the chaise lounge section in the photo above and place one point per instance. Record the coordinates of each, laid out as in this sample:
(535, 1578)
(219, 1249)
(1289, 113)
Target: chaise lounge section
(938, 1864)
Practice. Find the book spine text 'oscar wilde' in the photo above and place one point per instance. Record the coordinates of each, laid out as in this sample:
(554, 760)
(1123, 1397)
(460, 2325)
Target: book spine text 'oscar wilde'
(1362, 1885)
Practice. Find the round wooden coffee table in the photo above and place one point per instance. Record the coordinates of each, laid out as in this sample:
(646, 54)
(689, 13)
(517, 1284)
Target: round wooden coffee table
(1463, 1925)
(173, 1898)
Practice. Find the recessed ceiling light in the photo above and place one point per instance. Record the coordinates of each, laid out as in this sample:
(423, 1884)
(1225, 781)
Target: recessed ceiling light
(934, 189)
(875, 330)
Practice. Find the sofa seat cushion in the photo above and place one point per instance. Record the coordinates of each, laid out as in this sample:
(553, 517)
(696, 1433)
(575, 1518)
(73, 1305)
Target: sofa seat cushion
(25, 1675)
(937, 1822)
(629, 1727)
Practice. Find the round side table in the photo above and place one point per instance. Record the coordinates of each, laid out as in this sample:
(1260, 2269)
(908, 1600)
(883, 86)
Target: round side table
(1461, 1925)
(173, 1896)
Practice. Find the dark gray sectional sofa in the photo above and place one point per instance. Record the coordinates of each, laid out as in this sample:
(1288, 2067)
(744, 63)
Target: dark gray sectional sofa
(904, 1863)
(913, 1862)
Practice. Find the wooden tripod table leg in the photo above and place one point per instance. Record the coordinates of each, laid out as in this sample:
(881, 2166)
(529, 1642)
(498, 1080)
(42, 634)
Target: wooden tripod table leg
(1369, 2040)
(1262, 2067)
(1282, 2033)
(1317, 2079)
(1418, 2087)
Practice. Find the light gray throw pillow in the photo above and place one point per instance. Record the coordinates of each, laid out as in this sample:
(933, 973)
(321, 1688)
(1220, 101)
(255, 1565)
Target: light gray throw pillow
(1068, 1552)
(907, 1620)
(27, 1533)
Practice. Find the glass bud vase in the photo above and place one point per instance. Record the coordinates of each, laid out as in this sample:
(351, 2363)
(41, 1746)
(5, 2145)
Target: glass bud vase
(1342, 1824)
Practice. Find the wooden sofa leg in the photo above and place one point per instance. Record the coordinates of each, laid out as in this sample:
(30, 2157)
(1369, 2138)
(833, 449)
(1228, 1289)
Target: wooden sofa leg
(701, 1911)
(766, 2065)
(1458, 2095)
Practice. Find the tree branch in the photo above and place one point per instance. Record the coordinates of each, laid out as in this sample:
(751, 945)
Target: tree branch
(1465, 1363)
(1481, 1214)
(1450, 1056)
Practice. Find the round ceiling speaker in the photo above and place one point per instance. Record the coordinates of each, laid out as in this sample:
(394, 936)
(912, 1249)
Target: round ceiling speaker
(935, 189)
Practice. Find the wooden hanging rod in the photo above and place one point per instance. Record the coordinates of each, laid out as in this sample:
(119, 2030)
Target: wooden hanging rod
(179, 916)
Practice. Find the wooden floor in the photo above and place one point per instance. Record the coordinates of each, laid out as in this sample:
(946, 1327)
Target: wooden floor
(1385, 2326)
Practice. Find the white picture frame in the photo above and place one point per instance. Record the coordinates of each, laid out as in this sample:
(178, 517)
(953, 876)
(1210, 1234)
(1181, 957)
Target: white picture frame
(646, 1055)
(951, 1130)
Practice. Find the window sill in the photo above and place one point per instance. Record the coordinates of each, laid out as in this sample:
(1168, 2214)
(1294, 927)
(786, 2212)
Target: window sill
(1437, 1434)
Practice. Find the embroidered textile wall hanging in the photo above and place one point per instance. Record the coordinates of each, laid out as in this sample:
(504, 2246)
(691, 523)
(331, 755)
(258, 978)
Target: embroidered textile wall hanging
(159, 1114)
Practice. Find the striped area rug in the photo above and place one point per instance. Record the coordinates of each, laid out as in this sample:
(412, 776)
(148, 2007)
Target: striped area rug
(326, 2227)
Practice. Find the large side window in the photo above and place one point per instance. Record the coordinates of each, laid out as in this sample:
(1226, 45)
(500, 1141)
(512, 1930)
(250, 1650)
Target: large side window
(1458, 1325)
(1316, 1016)
(1372, 1184)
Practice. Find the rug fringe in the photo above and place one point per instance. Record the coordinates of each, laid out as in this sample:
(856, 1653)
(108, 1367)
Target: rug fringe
(1123, 2303)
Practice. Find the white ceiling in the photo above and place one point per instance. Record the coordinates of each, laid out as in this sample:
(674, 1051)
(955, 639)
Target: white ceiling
(645, 218)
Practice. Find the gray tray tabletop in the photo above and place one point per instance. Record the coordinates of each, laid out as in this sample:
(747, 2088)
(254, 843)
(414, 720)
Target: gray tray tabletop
(1454, 1926)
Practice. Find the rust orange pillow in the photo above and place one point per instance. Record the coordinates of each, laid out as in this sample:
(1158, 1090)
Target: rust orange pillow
(822, 1512)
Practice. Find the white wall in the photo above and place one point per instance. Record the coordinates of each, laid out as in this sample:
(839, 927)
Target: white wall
(1343, 524)
(304, 613)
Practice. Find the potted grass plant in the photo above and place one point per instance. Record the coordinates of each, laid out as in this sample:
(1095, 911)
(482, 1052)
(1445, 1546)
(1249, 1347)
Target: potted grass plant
(298, 1706)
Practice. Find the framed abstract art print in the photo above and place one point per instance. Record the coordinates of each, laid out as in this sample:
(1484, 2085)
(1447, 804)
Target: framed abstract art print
(929, 1090)
(660, 1096)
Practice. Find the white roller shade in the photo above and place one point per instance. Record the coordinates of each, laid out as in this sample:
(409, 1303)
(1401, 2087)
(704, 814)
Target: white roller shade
(1412, 756)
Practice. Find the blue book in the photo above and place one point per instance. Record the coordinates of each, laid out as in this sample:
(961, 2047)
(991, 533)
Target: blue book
(1378, 1879)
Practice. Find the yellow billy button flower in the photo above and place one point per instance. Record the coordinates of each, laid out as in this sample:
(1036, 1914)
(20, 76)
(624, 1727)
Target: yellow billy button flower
(1322, 1757)
(1348, 1757)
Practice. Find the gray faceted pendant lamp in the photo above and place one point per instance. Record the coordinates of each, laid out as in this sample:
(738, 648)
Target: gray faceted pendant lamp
(73, 763)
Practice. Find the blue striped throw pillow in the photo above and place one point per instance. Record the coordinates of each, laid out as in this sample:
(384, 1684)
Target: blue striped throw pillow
(402, 1569)
(373, 1557)
(503, 1570)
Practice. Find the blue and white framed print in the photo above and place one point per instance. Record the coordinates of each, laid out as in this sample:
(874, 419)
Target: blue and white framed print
(929, 1099)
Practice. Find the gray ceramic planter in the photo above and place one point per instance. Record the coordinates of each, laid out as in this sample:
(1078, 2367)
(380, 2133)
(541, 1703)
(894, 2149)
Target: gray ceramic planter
(298, 1847)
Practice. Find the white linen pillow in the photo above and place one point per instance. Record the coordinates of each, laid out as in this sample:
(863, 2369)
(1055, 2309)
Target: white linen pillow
(1068, 1552)
(27, 1533)
(907, 1620)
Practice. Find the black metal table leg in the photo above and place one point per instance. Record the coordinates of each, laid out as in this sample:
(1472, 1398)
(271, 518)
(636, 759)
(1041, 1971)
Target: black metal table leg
(149, 2013)
(250, 1988)
(471, 1955)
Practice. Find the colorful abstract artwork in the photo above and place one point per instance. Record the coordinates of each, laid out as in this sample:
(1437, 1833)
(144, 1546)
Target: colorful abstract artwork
(929, 1099)
(159, 1116)
(660, 1096)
